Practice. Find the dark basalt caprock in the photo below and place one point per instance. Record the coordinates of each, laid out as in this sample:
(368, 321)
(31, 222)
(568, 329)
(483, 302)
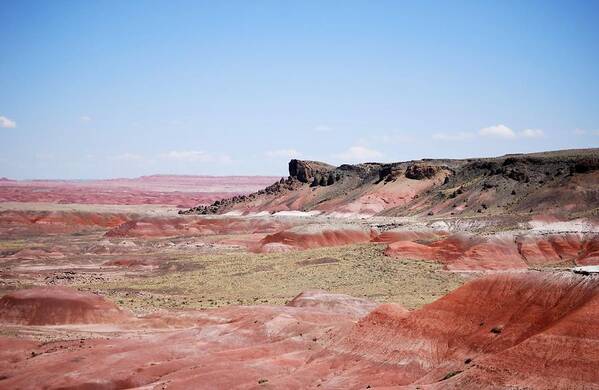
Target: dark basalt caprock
(534, 183)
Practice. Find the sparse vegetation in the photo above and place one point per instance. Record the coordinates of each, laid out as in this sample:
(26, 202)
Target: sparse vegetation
(214, 280)
(451, 374)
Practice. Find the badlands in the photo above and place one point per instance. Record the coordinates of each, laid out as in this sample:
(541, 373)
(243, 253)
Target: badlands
(428, 274)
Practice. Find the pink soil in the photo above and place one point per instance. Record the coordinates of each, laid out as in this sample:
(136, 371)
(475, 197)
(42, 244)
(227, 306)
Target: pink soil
(384, 196)
(132, 262)
(509, 330)
(194, 226)
(33, 254)
(481, 321)
(460, 252)
(590, 252)
(233, 347)
(550, 249)
(337, 303)
(393, 236)
(53, 222)
(57, 306)
(464, 252)
(291, 240)
(183, 191)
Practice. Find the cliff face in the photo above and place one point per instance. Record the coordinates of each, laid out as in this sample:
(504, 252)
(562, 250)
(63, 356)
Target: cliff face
(551, 182)
(305, 171)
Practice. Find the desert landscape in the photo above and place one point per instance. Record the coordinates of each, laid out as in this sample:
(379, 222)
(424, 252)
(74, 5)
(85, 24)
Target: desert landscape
(290, 195)
(477, 273)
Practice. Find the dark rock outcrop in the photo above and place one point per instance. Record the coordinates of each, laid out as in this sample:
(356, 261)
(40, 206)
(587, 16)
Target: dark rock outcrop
(586, 165)
(304, 171)
(542, 182)
(422, 171)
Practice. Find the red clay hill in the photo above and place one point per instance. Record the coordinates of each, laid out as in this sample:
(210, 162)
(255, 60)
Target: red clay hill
(558, 183)
(530, 330)
(57, 306)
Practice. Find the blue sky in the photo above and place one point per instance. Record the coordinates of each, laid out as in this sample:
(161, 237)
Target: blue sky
(127, 88)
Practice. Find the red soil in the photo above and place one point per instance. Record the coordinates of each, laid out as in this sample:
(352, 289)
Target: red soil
(393, 236)
(132, 262)
(183, 191)
(292, 240)
(461, 252)
(57, 306)
(550, 249)
(590, 252)
(233, 347)
(194, 226)
(518, 330)
(337, 303)
(465, 252)
(33, 254)
(561, 348)
(53, 222)
(521, 330)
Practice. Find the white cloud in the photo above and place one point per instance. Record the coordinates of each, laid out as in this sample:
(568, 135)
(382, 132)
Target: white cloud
(322, 129)
(532, 133)
(462, 135)
(85, 118)
(499, 131)
(283, 153)
(359, 154)
(195, 156)
(7, 123)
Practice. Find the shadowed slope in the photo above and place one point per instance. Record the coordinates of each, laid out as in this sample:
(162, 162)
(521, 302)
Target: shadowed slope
(57, 306)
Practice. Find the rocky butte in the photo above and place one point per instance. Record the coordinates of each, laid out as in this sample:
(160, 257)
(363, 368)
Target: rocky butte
(557, 183)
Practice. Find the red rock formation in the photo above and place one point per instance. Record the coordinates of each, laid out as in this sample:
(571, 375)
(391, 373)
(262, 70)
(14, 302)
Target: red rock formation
(57, 306)
(289, 240)
(525, 330)
(509, 330)
(502, 252)
(233, 347)
(589, 254)
(551, 249)
(393, 236)
(194, 226)
(560, 348)
(51, 222)
(460, 252)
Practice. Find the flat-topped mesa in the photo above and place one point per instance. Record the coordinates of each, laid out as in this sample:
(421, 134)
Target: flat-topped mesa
(555, 183)
(305, 171)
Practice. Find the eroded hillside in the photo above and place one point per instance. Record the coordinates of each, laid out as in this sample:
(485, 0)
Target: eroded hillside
(556, 183)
